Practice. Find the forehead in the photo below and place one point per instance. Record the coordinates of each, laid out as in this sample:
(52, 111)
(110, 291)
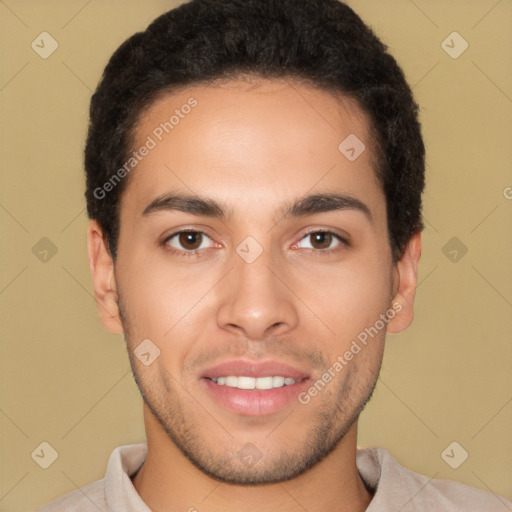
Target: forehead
(239, 140)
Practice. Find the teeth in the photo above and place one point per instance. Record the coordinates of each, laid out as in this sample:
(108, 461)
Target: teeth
(264, 383)
(230, 381)
(278, 382)
(244, 382)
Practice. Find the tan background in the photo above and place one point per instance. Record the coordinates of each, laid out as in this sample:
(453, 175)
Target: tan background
(67, 382)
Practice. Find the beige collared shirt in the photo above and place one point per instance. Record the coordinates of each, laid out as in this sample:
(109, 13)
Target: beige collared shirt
(395, 488)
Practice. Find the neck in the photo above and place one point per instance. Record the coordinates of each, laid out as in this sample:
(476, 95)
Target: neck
(169, 481)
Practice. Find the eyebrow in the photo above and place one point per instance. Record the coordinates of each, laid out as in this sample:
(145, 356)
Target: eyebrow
(309, 205)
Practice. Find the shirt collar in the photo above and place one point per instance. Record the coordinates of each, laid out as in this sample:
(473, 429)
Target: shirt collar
(125, 461)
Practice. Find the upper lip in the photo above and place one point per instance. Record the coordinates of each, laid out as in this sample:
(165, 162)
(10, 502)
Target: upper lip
(246, 368)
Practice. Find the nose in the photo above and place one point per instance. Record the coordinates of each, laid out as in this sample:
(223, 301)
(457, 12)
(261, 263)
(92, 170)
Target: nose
(256, 301)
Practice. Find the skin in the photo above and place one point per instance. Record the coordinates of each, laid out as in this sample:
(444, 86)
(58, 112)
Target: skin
(253, 148)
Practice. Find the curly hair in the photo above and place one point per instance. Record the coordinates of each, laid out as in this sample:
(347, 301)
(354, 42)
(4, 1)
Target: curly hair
(323, 43)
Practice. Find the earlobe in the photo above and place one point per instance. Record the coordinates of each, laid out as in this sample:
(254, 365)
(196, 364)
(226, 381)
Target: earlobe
(406, 277)
(101, 266)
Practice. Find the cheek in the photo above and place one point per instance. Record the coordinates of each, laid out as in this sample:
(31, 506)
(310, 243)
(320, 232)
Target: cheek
(347, 298)
(169, 306)
(158, 294)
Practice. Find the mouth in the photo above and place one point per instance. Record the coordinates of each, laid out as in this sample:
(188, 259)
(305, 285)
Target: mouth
(243, 382)
(254, 389)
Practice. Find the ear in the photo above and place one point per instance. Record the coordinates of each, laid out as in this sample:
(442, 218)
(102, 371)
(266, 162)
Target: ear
(405, 281)
(101, 266)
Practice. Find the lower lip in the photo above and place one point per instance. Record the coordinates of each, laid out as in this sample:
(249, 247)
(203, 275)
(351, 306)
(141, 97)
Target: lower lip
(254, 402)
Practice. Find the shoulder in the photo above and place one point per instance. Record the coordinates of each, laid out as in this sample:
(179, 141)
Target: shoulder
(395, 485)
(89, 498)
(115, 488)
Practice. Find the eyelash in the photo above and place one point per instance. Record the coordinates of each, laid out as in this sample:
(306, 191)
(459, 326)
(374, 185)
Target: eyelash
(320, 252)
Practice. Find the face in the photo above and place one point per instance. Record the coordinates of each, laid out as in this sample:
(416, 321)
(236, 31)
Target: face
(254, 260)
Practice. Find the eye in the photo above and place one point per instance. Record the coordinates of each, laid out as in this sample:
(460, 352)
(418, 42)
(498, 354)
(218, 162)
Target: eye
(189, 241)
(321, 240)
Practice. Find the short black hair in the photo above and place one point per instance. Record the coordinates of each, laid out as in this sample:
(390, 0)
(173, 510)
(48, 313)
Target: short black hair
(323, 43)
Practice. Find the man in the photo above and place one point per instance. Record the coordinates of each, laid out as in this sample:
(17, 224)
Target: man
(254, 180)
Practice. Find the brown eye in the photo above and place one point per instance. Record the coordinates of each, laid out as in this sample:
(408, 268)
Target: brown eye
(323, 241)
(189, 241)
